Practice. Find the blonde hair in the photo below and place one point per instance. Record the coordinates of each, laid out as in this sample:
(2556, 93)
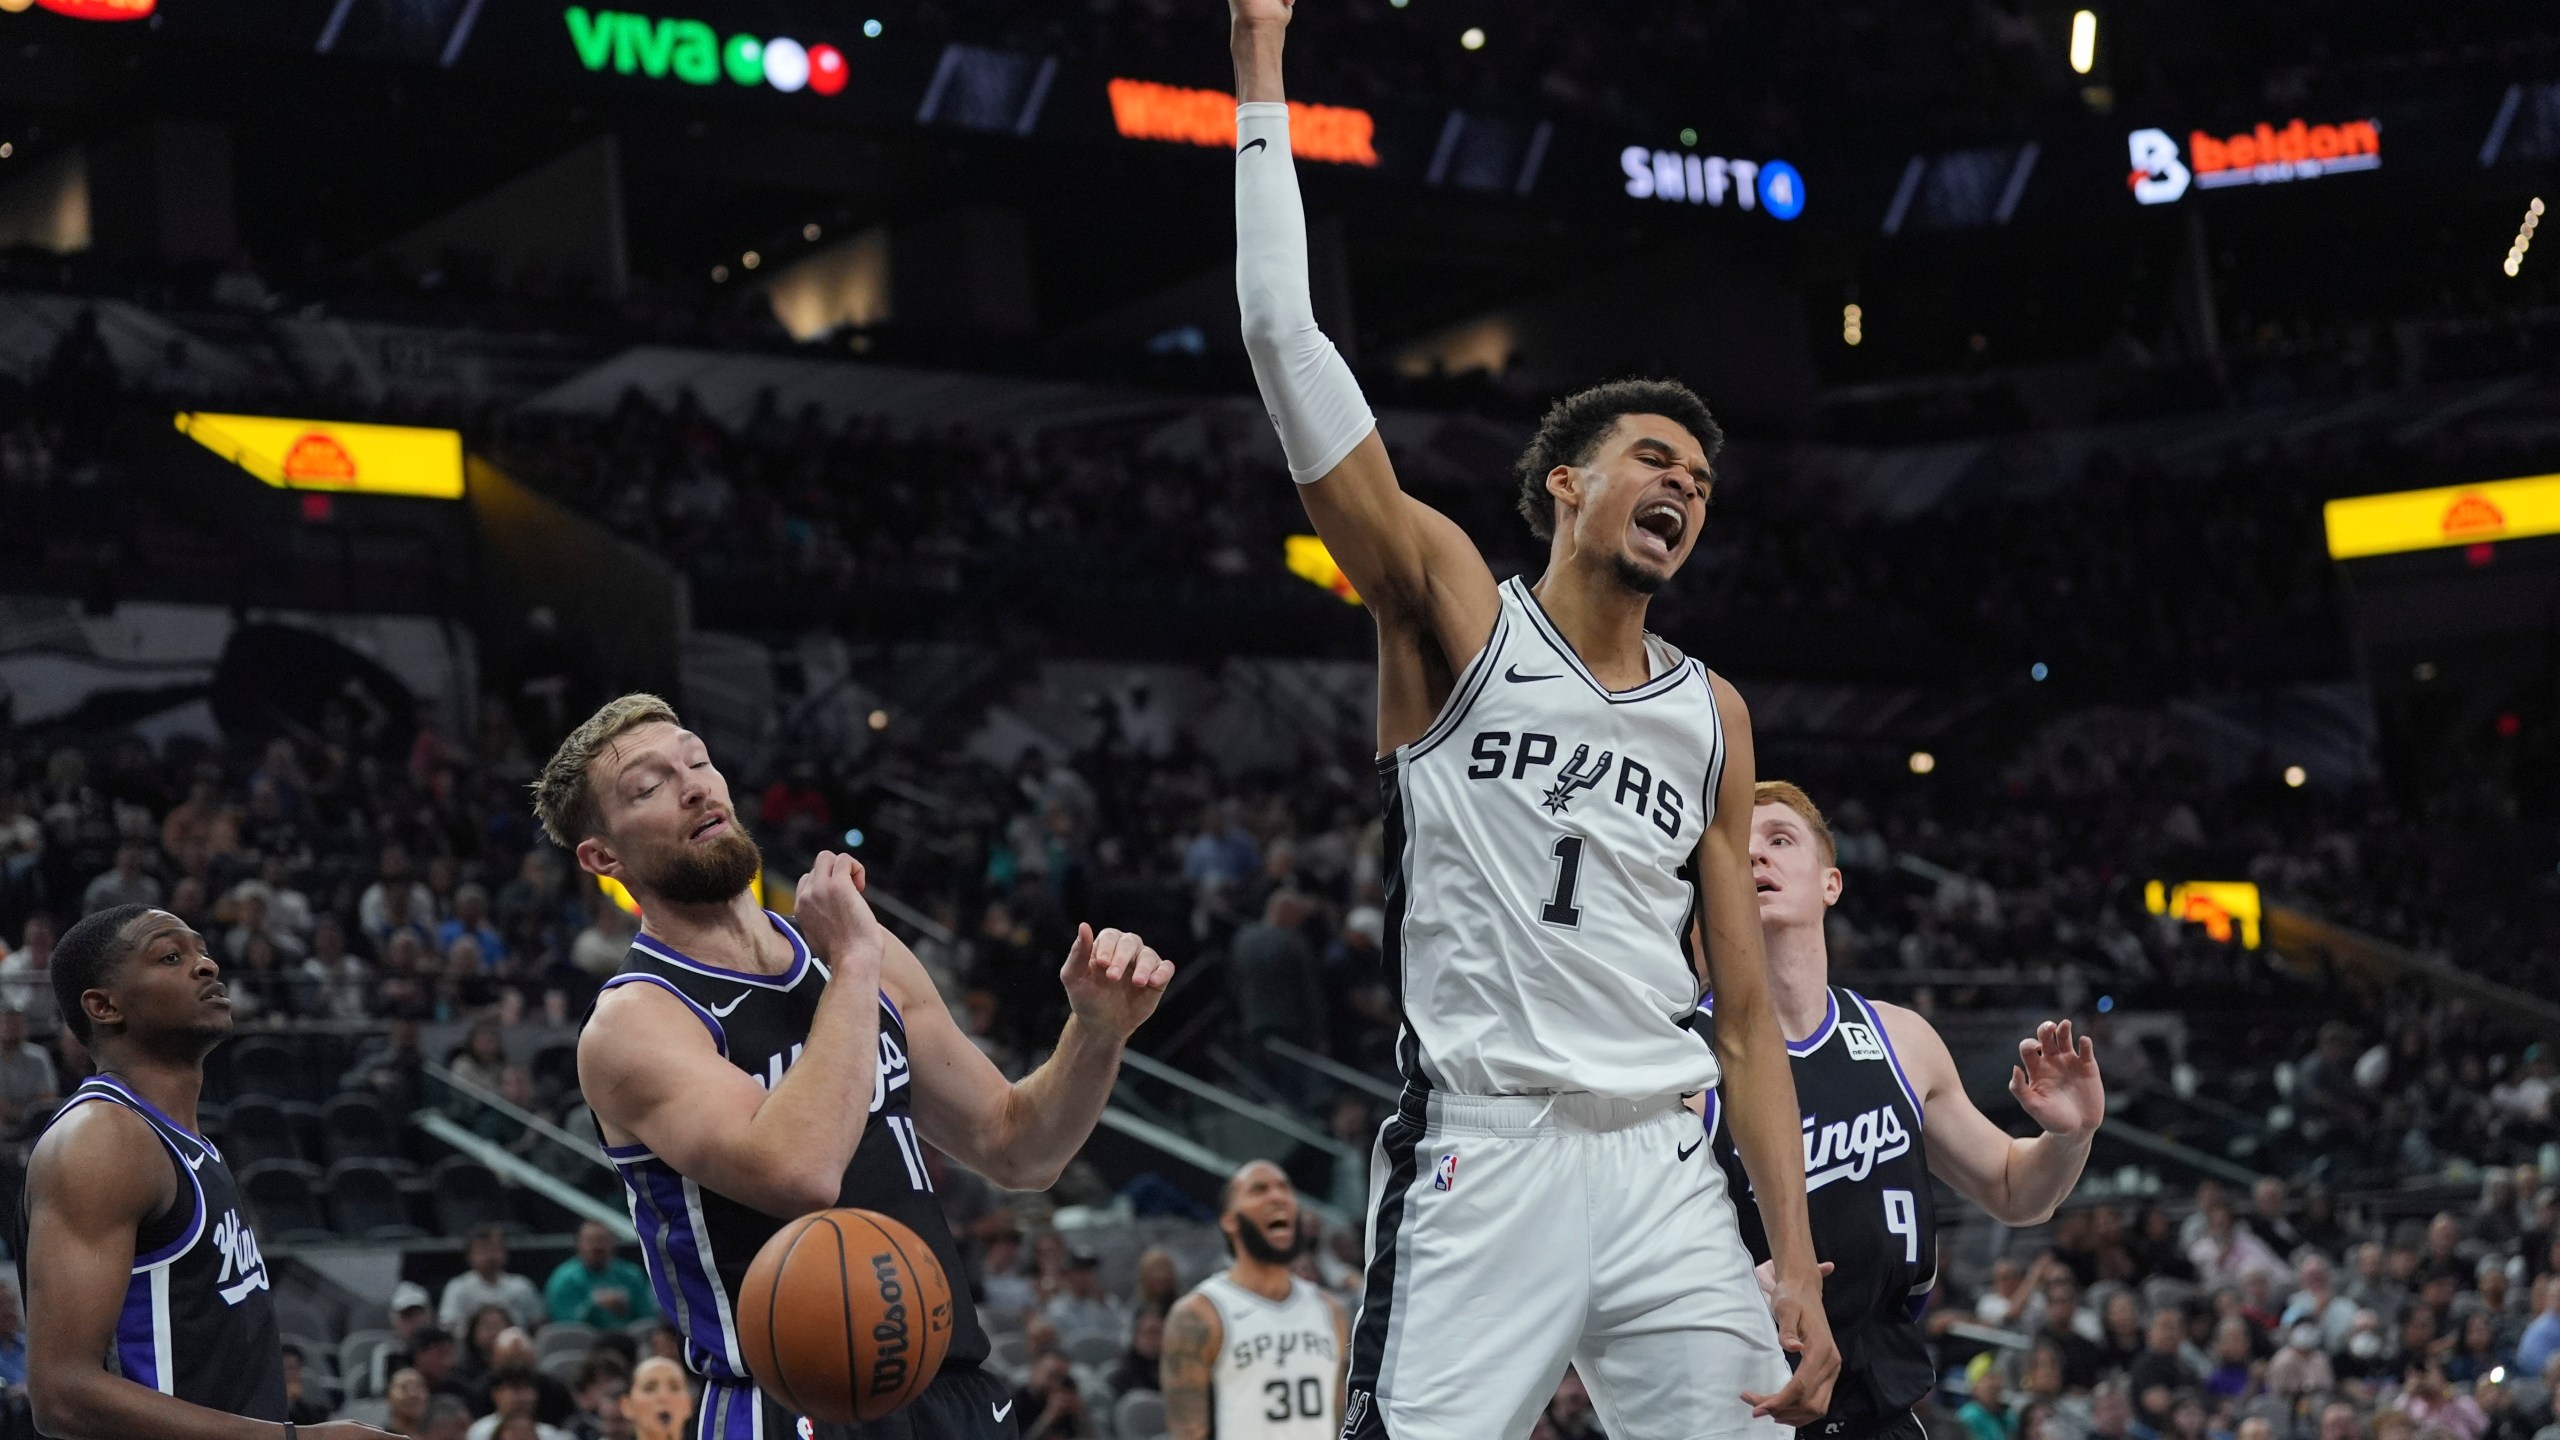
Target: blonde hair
(562, 797)
(1791, 795)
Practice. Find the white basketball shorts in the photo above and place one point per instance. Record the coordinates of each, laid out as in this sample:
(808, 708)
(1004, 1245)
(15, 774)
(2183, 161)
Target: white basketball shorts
(1511, 1234)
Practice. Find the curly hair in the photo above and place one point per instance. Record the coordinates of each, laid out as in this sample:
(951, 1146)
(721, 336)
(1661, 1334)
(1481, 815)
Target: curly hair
(1575, 425)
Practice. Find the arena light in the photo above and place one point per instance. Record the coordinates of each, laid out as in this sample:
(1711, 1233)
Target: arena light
(90, 9)
(2295, 777)
(2084, 42)
(330, 455)
(2452, 515)
(1922, 762)
(2524, 238)
(1853, 324)
(1472, 39)
(1145, 110)
(1309, 560)
(2222, 907)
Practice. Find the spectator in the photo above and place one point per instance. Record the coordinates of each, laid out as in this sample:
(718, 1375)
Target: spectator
(2426, 1399)
(2550, 1431)
(659, 1401)
(489, 1282)
(2228, 1250)
(481, 1060)
(1278, 987)
(1138, 1367)
(2111, 1415)
(2268, 1219)
(127, 884)
(1010, 1293)
(597, 1287)
(1985, 1414)
(2318, 1302)
(602, 1382)
(1082, 1308)
(471, 919)
(1159, 1281)
(2079, 1355)
(377, 911)
(2476, 1351)
(447, 1419)
(1049, 1406)
(27, 1078)
(2542, 1336)
(301, 1406)
(407, 1396)
(478, 1355)
(410, 1312)
(2234, 1374)
(2367, 1353)
(601, 948)
(515, 1352)
(512, 1394)
(2161, 1374)
(2301, 1368)
(26, 974)
(2120, 1339)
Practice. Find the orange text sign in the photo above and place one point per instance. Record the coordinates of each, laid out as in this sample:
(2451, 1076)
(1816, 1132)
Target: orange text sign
(1145, 110)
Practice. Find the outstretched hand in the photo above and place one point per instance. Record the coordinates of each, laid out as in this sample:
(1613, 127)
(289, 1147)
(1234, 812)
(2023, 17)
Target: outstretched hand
(2056, 1081)
(1114, 980)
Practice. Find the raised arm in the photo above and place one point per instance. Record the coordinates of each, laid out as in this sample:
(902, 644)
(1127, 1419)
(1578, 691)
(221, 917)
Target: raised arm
(1416, 570)
(650, 1068)
(95, 1177)
(1192, 1336)
(1022, 1135)
(1758, 1090)
(2017, 1182)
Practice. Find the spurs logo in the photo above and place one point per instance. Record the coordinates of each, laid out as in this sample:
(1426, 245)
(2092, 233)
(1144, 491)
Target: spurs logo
(1574, 779)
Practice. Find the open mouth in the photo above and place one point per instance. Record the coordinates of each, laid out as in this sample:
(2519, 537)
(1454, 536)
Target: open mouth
(1664, 523)
(1282, 1231)
(711, 825)
(218, 993)
(1764, 887)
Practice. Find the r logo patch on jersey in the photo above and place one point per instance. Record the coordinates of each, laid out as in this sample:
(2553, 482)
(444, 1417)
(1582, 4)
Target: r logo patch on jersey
(1863, 1044)
(1445, 1175)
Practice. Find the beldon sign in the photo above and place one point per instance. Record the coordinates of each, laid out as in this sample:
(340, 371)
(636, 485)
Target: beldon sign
(2265, 155)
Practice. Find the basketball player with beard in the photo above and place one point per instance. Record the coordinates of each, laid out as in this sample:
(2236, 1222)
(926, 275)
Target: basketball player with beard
(731, 1063)
(1256, 1353)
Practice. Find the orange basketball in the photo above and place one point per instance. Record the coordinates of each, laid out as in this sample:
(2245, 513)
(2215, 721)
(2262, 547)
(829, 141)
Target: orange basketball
(845, 1316)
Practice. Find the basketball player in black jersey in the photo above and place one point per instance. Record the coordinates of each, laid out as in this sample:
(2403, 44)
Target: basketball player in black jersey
(1884, 1111)
(148, 1309)
(733, 1062)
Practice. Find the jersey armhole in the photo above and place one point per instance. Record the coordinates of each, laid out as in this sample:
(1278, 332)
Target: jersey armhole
(190, 1186)
(1462, 696)
(719, 1037)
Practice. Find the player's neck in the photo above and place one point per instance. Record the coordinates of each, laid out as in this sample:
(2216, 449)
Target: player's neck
(172, 1085)
(1600, 618)
(1799, 978)
(1257, 1277)
(732, 934)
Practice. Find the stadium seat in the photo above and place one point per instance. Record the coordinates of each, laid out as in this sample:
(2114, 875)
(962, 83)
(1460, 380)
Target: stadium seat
(366, 1202)
(565, 1337)
(256, 1129)
(286, 1196)
(562, 1365)
(375, 1412)
(355, 1359)
(468, 1195)
(555, 1069)
(1011, 1356)
(358, 1128)
(1138, 1416)
(1099, 1351)
(267, 1067)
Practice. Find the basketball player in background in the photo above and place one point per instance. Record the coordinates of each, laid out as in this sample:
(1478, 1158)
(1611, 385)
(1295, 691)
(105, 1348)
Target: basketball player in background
(731, 1062)
(1568, 807)
(1883, 1111)
(1256, 1353)
(148, 1309)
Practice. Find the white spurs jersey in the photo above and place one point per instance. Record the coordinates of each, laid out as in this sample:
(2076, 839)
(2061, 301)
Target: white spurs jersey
(1278, 1374)
(1540, 847)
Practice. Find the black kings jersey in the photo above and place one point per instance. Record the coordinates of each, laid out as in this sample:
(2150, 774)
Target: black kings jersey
(697, 1243)
(198, 1320)
(1866, 1180)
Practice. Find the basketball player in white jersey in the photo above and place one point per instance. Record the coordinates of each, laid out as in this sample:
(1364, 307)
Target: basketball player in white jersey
(1568, 807)
(1256, 1353)
(1878, 1084)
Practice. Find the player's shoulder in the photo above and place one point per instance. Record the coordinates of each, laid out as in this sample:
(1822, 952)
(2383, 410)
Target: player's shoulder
(1914, 1038)
(85, 1157)
(641, 1017)
(1194, 1320)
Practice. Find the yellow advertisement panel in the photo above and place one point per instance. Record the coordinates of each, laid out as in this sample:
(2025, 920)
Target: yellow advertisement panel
(2452, 515)
(334, 455)
(2217, 905)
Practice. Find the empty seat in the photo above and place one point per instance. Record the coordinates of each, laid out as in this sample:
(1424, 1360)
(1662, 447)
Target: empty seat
(565, 1337)
(263, 1066)
(366, 1201)
(286, 1196)
(358, 1128)
(355, 1359)
(467, 1196)
(256, 1129)
(562, 1365)
(1138, 1416)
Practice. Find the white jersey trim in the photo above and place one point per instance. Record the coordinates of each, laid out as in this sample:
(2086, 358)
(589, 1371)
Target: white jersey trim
(1660, 684)
(1462, 696)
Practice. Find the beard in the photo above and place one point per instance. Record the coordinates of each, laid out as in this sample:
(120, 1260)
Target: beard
(712, 874)
(1258, 1247)
(1637, 578)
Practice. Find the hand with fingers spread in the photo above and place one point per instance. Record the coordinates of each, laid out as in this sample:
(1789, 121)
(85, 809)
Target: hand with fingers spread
(1804, 1332)
(833, 917)
(2056, 1081)
(1114, 980)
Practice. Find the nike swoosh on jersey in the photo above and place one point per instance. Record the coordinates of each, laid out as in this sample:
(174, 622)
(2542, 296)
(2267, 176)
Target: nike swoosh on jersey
(1515, 677)
(723, 1010)
(1255, 143)
(1692, 1147)
(197, 1163)
(1007, 1407)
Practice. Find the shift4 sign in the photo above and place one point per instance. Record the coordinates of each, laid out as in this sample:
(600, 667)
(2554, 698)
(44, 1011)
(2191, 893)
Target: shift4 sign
(691, 51)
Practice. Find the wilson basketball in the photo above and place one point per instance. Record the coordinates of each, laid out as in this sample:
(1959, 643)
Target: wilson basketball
(844, 1316)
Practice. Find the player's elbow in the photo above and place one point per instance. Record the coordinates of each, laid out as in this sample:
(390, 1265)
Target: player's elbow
(64, 1405)
(1017, 1173)
(2019, 1215)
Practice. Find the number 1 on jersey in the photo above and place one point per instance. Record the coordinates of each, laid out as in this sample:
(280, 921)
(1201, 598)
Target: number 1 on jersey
(1560, 909)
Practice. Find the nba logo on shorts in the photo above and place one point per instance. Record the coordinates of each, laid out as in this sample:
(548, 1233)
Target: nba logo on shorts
(1446, 1176)
(807, 1429)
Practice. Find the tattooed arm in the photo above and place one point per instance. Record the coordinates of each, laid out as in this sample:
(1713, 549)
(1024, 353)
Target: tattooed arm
(1192, 1336)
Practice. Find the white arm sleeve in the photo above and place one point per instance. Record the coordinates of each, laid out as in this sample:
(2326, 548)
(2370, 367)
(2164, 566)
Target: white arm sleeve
(1306, 388)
